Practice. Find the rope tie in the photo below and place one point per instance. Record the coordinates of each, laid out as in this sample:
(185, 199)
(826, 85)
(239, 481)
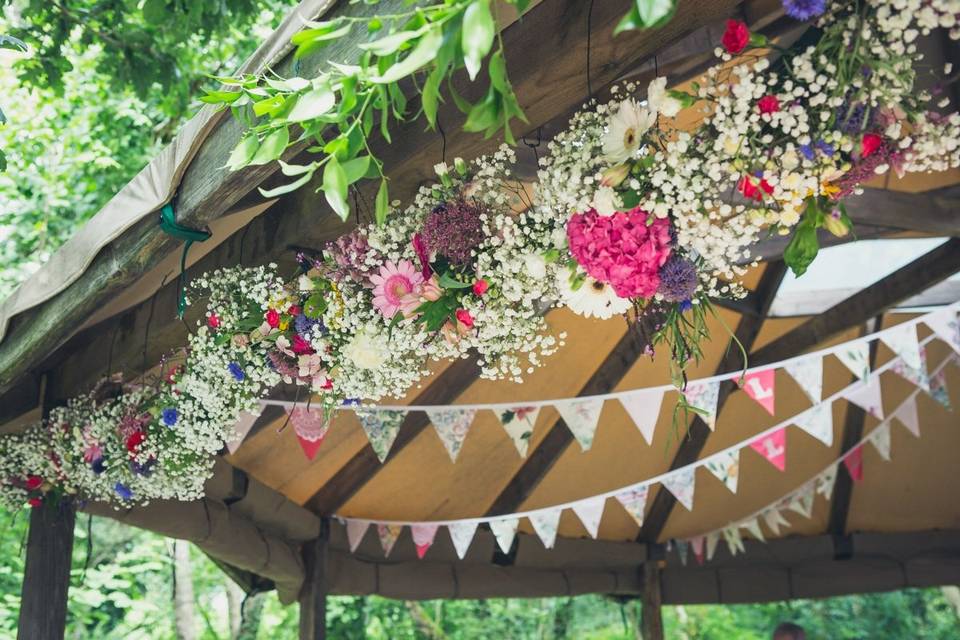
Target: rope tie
(169, 225)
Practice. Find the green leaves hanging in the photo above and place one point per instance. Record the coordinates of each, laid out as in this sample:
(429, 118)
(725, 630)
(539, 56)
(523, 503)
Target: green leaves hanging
(647, 14)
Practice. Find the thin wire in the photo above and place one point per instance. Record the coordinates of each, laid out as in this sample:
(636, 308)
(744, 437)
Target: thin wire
(443, 138)
(589, 47)
(533, 146)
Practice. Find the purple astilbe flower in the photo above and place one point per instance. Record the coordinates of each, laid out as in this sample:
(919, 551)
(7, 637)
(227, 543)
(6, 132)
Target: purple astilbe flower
(678, 280)
(282, 365)
(169, 416)
(346, 257)
(236, 371)
(453, 230)
(804, 9)
(865, 169)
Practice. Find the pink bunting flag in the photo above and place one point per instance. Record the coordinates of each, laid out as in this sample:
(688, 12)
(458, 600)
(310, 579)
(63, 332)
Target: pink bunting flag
(423, 536)
(545, 523)
(644, 409)
(242, 427)
(355, 531)
(388, 534)
(696, 544)
(773, 447)
(867, 396)
(590, 512)
(681, 484)
(906, 414)
(461, 533)
(945, 325)
(311, 426)
(452, 426)
(634, 501)
(853, 461)
(704, 396)
(759, 385)
(504, 530)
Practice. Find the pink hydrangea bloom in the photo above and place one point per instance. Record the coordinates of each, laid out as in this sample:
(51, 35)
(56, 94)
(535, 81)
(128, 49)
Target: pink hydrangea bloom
(393, 284)
(621, 249)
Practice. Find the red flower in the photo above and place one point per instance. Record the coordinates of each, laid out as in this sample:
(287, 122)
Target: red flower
(213, 321)
(736, 37)
(464, 318)
(173, 373)
(768, 104)
(327, 384)
(294, 310)
(34, 502)
(272, 318)
(420, 247)
(752, 189)
(480, 287)
(134, 440)
(870, 143)
(33, 482)
(301, 346)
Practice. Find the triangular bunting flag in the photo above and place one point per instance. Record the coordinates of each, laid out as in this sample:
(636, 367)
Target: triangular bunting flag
(902, 340)
(759, 385)
(545, 523)
(880, 437)
(505, 531)
(853, 461)
(726, 466)
(802, 501)
(697, 545)
(590, 512)
(355, 531)
(773, 447)
(938, 390)
(381, 427)
(581, 417)
(818, 422)
(734, 539)
(311, 426)
(452, 426)
(753, 526)
(683, 549)
(774, 520)
(242, 427)
(945, 325)
(644, 409)
(917, 376)
(808, 373)
(856, 357)
(867, 396)
(703, 396)
(906, 414)
(518, 422)
(825, 482)
(712, 539)
(388, 534)
(423, 535)
(681, 484)
(634, 501)
(461, 533)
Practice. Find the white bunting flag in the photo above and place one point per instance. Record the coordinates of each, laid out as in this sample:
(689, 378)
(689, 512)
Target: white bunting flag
(681, 484)
(452, 426)
(703, 396)
(818, 422)
(902, 340)
(355, 531)
(825, 482)
(381, 427)
(906, 414)
(753, 526)
(581, 417)
(726, 466)
(505, 530)
(734, 539)
(856, 357)
(946, 326)
(634, 501)
(423, 536)
(808, 373)
(388, 534)
(518, 422)
(240, 430)
(644, 409)
(590, 512)
(880, 437)
(867, 396)
(461, 533)
(774, 520)
(712, 539)
(545, 523)
(802, 502)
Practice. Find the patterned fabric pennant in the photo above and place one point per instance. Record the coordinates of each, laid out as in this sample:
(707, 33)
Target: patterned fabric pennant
(853, 461)
(760, 386)
(355, 531)
(917, 376)
(461, 533)
(518, 422)
(773, 447)
(726, 467)
(867, 396)
(774, 520)
(242, 427)
(381, 427)
(644, 409)
(581, 417)
(311, 426)
(681, 483)
(802, 501)
(818, 422)
(734, 539)
(634, 502)
(880, 437)
(825, 482)
(423, 535)
(906, 414)
(938, 390)
(856, 357)
(452, 426)
(946, 326)
(697, 545)
(505, 531)
(545, 523)
(712, 539)
(808, 373)
(388, 534)
(590, 512)
(753, 526)
(902, 340)
(683, 550)
(704, 396)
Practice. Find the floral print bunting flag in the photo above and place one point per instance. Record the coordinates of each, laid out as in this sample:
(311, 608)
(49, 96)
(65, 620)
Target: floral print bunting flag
(938, 390)
(902, 340)
(545, 523)
(946, 326)
(916, 375)
(388, 534)
(802, 501)
(712, 539)
(726, 467)
(681, 484)
(703, 396)
(808, 373)
(818, 422)
(590, 512)
(634, 501)
(644, 409)
(774, 519)
(452, 426)
(825, 482)
(461, 533)
(518, 422)
(581, 417)
(734, 539)
(381, 427)
(505, 531)
(856, 357)
(881, 440)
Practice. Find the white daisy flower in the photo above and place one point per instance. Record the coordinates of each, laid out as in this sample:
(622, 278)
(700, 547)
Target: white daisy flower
(659, 101)
(592, 299)
(626, 128)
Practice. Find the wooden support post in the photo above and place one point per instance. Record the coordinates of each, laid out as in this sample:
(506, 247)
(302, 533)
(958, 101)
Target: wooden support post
(46, 578)
(651, 620)
(313, 597)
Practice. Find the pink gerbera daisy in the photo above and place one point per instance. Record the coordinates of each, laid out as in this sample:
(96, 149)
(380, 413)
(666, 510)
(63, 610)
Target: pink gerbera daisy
(394, 282)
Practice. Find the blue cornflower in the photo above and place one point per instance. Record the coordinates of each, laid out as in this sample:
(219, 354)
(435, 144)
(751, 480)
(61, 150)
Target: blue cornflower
(169, 416)
(236, 371)
(827, 148)
(97, 466)
(351, 402)
(804, 9)
(807, 151)
(123, 491)
(685, 306)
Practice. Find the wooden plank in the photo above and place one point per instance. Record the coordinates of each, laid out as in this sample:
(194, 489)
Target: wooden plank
(772, 247)
(313, 598)
(651, 620)
(936, 212)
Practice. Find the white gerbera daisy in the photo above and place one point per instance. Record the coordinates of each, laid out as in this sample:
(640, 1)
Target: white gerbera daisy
(592, 299)
(659, 101)
(626, 128)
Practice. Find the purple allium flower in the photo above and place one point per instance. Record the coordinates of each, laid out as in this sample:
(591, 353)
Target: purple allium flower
(678, 280)
(804, 9)
(236, 371)
(169, 416)
(123, 491)
(453, 230)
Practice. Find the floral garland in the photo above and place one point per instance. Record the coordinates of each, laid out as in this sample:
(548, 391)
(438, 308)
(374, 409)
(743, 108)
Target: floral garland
(631, 215)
